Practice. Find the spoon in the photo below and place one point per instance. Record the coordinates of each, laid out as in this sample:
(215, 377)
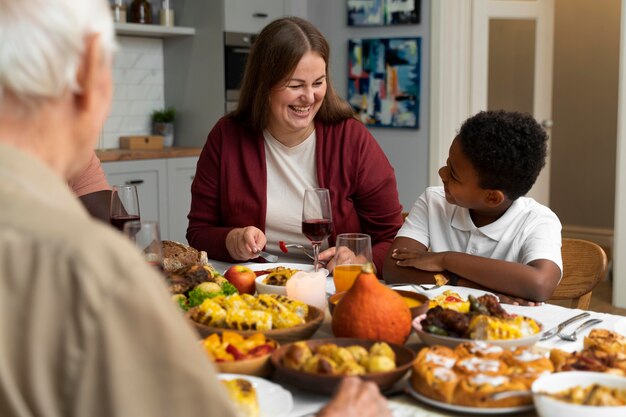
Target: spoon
(571, 337)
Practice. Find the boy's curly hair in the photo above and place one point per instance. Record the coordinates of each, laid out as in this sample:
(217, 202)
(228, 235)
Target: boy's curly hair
(507, 149)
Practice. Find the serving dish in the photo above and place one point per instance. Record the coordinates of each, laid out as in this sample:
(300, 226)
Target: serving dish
(548, 406)
(417, 310)
(314, 320)
(326, 384)
(466, 409)
(263, 288)
(431, 339)
(274, 400)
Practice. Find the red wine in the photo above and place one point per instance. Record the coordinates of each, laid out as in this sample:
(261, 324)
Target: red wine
(317, 230)
(120, 221)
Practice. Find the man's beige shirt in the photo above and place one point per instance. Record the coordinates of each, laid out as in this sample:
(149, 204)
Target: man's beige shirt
(87, 328)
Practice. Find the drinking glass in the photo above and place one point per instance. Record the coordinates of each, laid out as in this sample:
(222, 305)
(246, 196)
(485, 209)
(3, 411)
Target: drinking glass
(124, 205)
(146, 236)
(353, 250)
(317, 221)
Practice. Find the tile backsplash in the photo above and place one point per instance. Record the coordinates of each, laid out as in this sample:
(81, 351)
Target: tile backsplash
(138, 79)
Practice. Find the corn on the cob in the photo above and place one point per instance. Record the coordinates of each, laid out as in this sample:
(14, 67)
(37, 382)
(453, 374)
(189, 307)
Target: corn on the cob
(281, 316)
(246, 319)
(295, 306)
(210, 313)
(234, 302)
(493, 328)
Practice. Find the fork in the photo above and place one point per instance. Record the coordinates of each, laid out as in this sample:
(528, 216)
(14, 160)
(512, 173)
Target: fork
(571, 337)
(267, 256)
(284, 246)
(424, 287)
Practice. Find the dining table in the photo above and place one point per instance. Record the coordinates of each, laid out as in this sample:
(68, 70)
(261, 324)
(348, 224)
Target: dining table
(400, 402)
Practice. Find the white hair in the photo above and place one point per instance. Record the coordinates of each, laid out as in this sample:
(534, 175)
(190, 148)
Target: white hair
(41, 43)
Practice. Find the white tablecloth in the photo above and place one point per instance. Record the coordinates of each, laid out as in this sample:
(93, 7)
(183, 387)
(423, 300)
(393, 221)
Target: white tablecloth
(403, 405)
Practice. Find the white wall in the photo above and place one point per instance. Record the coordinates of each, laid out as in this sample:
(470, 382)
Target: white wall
(138, 89)
(407, 149)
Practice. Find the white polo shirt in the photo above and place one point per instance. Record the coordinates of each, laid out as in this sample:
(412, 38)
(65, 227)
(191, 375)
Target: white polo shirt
(526, 231)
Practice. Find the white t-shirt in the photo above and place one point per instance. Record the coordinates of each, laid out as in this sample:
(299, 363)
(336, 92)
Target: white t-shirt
(526, 231)
(290, 171)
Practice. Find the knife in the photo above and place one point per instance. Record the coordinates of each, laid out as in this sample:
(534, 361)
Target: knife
(556, 329)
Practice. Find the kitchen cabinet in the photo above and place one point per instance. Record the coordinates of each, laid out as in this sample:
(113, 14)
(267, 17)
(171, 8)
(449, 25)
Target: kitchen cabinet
(251, 16)
(164, 189)
(181, 172)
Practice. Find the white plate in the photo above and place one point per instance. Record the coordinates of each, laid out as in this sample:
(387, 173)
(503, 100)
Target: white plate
(620, 326)
(274, 400)
(431, 339)
(262, 267)
(464, 292)
(263, 288)
(466, 409)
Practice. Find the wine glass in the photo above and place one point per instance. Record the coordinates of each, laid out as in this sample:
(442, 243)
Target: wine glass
(124, 205)
(146, 236)
(317, 220)
(353, 250)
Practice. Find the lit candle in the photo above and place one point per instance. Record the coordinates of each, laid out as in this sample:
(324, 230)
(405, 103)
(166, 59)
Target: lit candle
(308, 287)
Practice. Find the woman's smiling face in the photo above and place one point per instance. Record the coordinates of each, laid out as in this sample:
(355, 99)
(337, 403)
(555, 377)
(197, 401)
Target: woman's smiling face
(295, 101)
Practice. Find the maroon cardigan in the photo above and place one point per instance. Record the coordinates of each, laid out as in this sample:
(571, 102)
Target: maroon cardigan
(229, 189)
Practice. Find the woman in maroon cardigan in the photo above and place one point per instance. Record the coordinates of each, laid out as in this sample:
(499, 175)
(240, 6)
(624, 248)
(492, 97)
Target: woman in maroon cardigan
(290, 131)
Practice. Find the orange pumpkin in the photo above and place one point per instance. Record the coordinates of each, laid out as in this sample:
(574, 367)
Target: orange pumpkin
(370, 310)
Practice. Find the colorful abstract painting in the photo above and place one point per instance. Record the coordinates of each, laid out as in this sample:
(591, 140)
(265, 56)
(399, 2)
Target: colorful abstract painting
(384, 81)
(383, 12)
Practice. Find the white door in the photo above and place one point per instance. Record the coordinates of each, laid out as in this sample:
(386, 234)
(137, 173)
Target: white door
(511, 64)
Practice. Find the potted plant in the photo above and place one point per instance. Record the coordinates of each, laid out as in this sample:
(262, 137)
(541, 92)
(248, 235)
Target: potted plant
(163, 124)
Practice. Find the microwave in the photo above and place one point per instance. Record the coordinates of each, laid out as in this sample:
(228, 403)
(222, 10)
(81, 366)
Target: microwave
(237, 47)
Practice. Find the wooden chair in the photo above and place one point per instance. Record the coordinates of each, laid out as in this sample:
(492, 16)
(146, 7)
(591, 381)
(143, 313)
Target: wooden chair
(584, 266)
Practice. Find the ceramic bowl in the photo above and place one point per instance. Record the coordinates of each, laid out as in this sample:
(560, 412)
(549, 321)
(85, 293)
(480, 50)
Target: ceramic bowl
(263, 288)
(412, 297)
(259, 366)
(304, 331)
(548, 406)
(326, 384)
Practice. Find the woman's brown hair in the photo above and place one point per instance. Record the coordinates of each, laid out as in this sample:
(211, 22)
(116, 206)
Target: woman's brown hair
(274, 57)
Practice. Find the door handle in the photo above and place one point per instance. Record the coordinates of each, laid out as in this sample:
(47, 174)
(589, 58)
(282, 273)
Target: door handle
(547, 123)
(134, 182)
(262, 15)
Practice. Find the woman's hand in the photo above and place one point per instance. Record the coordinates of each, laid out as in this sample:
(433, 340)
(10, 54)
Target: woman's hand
(356, 398)
(245, 243)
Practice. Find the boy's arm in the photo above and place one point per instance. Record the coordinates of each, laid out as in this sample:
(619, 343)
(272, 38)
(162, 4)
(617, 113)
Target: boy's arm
(535, 281)
(398, 274)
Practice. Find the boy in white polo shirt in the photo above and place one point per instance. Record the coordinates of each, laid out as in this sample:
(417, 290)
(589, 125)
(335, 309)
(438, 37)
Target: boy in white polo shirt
(477, 229)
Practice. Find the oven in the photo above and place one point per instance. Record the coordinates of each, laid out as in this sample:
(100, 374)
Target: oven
(236, 50)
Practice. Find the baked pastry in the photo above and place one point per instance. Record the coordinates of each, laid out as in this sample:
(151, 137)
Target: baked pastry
(480, 349)
(177, 255)
(605, 340)
(472, 365)
(472, 372)
(243, 394)
(477, 391)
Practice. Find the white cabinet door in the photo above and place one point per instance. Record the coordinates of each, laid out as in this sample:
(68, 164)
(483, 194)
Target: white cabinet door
(251, 15)
(181, 172)
(150, 176)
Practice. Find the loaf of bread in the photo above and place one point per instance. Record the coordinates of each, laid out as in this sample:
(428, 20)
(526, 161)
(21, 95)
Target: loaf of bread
(177, 255)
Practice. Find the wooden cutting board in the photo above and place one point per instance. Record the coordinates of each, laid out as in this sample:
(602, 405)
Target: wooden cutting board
(141, 142)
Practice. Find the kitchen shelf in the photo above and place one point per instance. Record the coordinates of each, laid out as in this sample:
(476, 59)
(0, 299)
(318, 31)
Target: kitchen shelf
(152, 31)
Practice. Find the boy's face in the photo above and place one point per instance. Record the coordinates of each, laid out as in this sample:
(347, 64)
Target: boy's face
(460, 180)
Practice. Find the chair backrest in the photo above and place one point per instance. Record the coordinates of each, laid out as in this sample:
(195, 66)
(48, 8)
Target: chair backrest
(584, 266)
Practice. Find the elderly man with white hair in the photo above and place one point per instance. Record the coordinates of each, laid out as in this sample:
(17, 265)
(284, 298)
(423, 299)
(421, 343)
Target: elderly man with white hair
(87, 327)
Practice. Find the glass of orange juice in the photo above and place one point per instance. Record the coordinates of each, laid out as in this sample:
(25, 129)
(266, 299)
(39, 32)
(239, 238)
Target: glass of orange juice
(353, 251)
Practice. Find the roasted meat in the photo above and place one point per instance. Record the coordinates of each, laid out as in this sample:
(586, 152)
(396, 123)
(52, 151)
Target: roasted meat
(186, 278)
(455, 324)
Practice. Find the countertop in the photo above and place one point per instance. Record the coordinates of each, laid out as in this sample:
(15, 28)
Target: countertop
(113, 155)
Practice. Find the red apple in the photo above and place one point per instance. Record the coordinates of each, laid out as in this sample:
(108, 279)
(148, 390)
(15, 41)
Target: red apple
(242, 278)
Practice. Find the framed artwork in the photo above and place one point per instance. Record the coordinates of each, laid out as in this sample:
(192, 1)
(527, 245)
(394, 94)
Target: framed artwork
(384, 81)
(383, 12)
